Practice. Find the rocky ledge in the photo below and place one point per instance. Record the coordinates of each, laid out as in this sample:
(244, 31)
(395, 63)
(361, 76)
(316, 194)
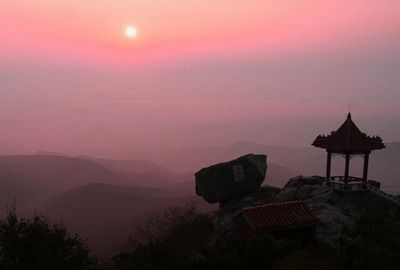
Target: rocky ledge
(334, 209)
(236, 185)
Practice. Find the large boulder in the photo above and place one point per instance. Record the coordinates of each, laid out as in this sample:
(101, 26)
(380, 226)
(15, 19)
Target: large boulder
(232, 179)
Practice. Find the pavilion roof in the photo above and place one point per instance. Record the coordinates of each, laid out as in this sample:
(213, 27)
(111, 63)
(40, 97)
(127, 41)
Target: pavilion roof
(348, 139)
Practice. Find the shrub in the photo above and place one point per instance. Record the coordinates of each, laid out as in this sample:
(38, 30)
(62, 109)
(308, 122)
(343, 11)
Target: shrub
(373, 242)
(36, 244)
(170, 241)
(183, 238)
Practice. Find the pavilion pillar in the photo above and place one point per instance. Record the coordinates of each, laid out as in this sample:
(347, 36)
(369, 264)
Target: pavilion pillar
(347, 169)
(328, 167)
(365, 171)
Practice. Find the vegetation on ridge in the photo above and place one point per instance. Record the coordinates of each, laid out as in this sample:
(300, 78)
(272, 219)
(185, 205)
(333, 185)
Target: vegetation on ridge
(183, 238)
(35, 244)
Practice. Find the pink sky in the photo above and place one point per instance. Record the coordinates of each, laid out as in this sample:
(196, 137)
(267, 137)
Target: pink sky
(94, 29)
(199, 72)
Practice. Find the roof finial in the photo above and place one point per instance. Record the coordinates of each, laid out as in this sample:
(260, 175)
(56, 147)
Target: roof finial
(349, 108)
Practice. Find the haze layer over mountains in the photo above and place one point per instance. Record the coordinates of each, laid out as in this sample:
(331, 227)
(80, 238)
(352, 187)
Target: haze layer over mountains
(105, 200)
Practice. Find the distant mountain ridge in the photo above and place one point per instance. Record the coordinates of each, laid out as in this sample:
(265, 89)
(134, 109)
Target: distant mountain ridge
(154, 174)
(294, 160)
(192, 159)
(107, 215)
(114, 196)
(30, 179)
(129, 166)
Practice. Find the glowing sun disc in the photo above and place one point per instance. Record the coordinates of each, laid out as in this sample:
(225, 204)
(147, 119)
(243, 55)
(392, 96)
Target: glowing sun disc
(131, 32)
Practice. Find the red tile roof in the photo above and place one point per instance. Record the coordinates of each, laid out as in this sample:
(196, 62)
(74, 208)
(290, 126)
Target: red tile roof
(275, 216)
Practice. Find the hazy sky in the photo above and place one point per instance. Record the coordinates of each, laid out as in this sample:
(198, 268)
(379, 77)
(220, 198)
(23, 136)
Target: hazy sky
(198, 73)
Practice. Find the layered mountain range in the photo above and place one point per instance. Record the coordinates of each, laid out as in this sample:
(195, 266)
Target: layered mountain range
(107, 200)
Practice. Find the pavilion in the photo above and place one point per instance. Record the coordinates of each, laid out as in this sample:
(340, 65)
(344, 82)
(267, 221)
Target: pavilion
(348, 141)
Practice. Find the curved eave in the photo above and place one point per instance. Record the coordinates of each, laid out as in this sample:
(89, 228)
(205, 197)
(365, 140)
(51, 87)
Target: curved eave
(348, 150)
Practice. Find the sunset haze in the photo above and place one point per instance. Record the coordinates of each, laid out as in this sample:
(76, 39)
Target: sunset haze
(197, 73)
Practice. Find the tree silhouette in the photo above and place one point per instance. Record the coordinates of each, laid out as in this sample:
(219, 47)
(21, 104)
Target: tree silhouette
(183, 239)
(374, 242)
(36, 244)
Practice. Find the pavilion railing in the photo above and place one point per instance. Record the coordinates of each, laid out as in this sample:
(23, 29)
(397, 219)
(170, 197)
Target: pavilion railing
(368, 186)
(341, 178)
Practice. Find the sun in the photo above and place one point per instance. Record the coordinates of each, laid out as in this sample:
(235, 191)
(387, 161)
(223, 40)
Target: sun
(131, 32)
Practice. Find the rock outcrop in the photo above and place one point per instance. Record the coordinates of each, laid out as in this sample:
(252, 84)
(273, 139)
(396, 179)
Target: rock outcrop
(228, 209)
(236, 185)
(231, 180)
(333, 211)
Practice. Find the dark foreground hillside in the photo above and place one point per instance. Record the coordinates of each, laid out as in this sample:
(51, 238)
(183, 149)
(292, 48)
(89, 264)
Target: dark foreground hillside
(108, 215)
(183, 238)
